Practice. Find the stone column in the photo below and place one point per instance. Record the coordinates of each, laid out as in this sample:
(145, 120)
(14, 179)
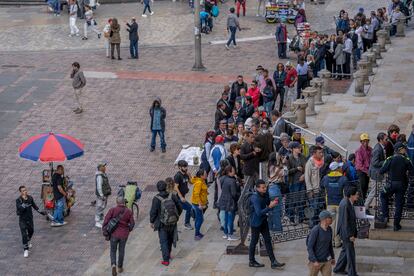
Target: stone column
(363, 69)
(317, 83)
(359, 84)
(369, 67)
(325, 75)
(289, 116)
(382, 37)
(300, 107)
(377, 50)
(387, 29)
(372, 58)
(309, 93)
(401, 27)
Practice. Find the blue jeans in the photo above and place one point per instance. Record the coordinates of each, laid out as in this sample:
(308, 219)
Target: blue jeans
(199, 219)
(58, 213)
(133, 48)
(187, 207)
(268, 107)
(232, 36)
(281, 49)
(162, 138)
(228, 217)
(147, 7)
(56, 6)
(275, 214)
(296, 201)
(317, 206)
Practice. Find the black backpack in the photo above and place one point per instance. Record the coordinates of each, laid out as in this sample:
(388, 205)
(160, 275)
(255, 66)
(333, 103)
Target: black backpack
(169, 213)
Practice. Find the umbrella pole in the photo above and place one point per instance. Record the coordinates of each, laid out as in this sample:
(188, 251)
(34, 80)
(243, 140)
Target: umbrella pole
(51, 171)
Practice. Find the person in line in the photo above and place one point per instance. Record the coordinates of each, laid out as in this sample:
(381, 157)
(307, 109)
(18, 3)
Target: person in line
(158, 115)
(398, 167)
(119, 236)
(115, 38)
(249, 154)
(147, 7)
(279, 127)
(349, 169)
(302, 73)
(334, 184)
(347, 230)
(236, 86)
(133, 37)
(260, 206)
(410, 145)
(378, 157)
(24, 205)
(166, 223)
(339, 57)
(78, 83)
(217, 154)
(73, 14)
(199, 201)
(227, 202)
(102, 191)
(89, 23)
(363, 157)
(208, 145)
(321, 255)
(235, 161)
(279, 76)
(183, 178)
(232, 26)
(59, 194)
(107, 34)
(241, 3)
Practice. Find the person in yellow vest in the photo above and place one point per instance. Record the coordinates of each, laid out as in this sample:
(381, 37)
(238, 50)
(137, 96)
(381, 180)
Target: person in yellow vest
(297, 137)
(199, 200)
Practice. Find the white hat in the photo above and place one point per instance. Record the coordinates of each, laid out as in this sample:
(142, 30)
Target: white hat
(335, 165)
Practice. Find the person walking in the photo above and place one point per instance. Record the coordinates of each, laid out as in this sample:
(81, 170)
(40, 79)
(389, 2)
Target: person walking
(227, 202)
(107, 35)
(78, 83)
(165, 222)
(377, 161)
(281, 39)
(133, 37)
(73, 14)
(59, 195)
(24, 205)
(158, 114)
(199, 201)
(115, 38)
(321, 255)
(398, 167)
(102, 191)
(183, 178)
(147, 7)
(89, 23)
(347, 230)
(119, 236)
(232, 26)
(363, 157)
(260, 206)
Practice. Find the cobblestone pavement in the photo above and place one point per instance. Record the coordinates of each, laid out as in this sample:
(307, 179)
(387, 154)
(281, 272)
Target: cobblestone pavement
(36, 97)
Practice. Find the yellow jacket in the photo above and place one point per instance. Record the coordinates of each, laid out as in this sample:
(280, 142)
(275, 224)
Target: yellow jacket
(200, 191)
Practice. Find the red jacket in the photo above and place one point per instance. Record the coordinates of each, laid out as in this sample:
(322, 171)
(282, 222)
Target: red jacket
(255, 94)
(125, 225)
(363, 158)
(290, 76)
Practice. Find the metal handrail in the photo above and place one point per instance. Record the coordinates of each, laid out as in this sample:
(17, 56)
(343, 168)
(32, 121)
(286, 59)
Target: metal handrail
(335, 143)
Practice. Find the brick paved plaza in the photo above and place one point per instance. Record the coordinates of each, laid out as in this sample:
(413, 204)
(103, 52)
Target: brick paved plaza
(36, 97)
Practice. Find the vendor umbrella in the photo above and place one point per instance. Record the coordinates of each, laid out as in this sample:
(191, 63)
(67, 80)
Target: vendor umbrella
(51, 147)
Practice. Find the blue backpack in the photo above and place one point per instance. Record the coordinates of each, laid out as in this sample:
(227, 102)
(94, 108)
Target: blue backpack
(215, 11)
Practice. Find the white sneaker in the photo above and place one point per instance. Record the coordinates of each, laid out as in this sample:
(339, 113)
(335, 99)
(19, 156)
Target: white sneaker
(77, 34)
(50, 217)
(232, 238)
(151, 13)
(70, 35)
(234, 46)
(257, 15)
(57, 224)
(225, 237)
(26, 253)
(144, 15)
(227, 47)
(98, 224)
(64, 223)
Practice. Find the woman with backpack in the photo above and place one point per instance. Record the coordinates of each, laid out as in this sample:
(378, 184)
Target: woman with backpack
(120, 221)
(199, 201)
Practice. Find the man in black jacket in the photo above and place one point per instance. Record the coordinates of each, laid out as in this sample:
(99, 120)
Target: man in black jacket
(235, 89)
(250, 154)
(133, 37)
(166, 233)
(24, 205)
(347, 230)
(398, 167)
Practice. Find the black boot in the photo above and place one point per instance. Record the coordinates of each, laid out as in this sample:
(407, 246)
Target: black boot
(255, 264)
(275, 264)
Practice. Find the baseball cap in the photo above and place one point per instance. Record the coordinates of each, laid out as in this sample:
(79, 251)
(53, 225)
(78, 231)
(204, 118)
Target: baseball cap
(298, 130)
(294, 145)
(325, 214)
(101, 164)
(364, 136)
(399, 146)
(320, 140)
(259, 67)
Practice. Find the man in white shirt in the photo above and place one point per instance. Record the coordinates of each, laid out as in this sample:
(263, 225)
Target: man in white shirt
(348, 52)
(73, 11)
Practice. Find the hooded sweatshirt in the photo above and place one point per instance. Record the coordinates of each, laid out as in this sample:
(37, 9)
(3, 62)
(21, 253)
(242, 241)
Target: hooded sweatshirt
(158, 115)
